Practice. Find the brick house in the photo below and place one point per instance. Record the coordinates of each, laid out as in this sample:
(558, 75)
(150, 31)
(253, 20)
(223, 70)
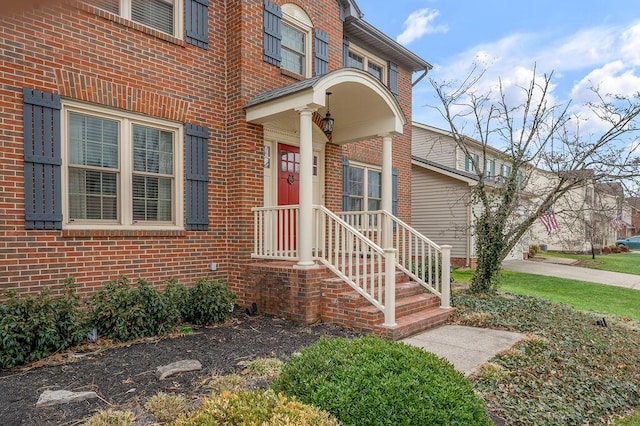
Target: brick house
(186, 139)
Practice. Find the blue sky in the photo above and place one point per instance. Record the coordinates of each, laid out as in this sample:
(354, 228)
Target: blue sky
(582, 42)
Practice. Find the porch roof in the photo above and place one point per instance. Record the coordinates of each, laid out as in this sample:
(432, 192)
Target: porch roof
(360, 104)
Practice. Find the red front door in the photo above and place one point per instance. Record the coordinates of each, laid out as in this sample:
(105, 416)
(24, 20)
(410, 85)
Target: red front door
(288, 194)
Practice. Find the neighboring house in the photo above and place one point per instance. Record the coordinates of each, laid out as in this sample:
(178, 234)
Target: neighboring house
(591, 215)
(442, 179)
(187, 139)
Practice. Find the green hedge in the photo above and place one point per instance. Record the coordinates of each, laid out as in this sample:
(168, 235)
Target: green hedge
(33, 328)
(370, 381)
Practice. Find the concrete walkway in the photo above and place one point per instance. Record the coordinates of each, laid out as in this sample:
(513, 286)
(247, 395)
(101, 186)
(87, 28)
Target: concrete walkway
(465, 347)
(469, 347)
(554, 267)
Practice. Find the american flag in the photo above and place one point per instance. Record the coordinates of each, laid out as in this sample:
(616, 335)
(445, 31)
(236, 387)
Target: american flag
(617, 223)
(549, 221)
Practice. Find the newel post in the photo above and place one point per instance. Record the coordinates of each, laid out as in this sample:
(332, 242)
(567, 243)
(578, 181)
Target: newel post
(445, 301)
(389, 287)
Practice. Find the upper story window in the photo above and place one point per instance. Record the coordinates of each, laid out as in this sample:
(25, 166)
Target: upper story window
(361, 59)
(296, 40)
(121, 170)
(161, 15)
(489, 169)
(470, 162)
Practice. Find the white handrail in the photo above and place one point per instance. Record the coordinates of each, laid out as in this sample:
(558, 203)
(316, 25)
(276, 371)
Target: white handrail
(343, 249)
(420, 258)
(361, 263)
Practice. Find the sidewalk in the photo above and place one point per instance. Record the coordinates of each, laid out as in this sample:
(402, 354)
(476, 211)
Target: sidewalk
(465, 347)
(553, 267)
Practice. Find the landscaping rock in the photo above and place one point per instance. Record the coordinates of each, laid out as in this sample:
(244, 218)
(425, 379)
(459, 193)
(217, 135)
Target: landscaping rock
(178, 367)
(49, 398)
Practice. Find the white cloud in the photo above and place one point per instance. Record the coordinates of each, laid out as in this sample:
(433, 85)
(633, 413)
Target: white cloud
(419, 23)
(607, 57)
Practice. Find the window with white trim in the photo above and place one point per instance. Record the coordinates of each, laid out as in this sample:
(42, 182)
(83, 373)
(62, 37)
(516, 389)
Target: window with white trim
(296, 40)
(162, 15)
(470, 162)
(121, 170)
(489, 169)
(363, 188)
(361, 59)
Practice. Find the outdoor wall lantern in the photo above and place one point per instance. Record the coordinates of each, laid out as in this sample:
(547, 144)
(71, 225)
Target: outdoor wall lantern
(327, 121)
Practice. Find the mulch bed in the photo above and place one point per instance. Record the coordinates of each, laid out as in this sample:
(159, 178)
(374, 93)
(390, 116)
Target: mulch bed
(124, 376)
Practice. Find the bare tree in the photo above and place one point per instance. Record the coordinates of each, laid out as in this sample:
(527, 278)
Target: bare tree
(547, 151)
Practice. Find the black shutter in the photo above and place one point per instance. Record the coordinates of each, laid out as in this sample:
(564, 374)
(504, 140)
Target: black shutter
(345, 184)
(345, 51)
(272, 33)
(197, 20)
(42, 160)
(394, 191)
(393, 78)
(197, 139)
(321, 52)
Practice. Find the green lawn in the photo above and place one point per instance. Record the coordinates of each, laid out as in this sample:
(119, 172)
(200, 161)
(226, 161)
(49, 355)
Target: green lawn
(618, 262)
(585, 296)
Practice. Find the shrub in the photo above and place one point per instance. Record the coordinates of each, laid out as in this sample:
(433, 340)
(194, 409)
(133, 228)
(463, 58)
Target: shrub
(124, 312)
(111, 417)
(35, 327)
(370, 381)
(167, 407)
(255, 408)
(208, 302)
(533, 250)
(623, 249)
(606, 250)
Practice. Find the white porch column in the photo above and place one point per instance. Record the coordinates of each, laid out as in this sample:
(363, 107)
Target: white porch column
(305, 220)
(387, 188)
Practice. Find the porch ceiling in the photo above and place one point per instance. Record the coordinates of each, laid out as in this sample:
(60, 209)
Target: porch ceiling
(360, 104)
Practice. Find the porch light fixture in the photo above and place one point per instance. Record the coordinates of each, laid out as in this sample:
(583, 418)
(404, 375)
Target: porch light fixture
(327, 121)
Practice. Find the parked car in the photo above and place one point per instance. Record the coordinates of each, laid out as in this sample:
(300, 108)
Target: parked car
(631, 242)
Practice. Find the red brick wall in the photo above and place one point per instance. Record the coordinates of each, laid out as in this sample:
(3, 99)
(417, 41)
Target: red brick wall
(73, 51)
(82, 53)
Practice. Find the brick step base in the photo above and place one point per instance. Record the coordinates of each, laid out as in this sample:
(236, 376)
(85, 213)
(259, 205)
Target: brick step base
(416, 309)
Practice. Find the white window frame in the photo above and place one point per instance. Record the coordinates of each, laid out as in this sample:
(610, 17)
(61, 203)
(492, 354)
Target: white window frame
(369, 57)
(365, 181)
(295, 17)
(125, 172)
(490, 169)
(178, 16)
(474, 159)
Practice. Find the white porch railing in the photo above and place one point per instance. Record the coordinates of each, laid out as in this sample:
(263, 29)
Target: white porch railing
(417, 256)
(275, 232)
(365, 266)
(351, 246)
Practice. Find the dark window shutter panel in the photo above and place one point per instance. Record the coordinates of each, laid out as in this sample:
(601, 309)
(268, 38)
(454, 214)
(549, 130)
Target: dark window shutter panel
(272, 33)
(393, 78)
(345, 51)
(394, 191)
(321, 52)
(42, 160)
(197, 184)
(345, 184)
(197, 22)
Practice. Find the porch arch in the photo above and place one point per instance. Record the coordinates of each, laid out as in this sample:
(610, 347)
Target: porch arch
(363, 108)
(360, 104)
